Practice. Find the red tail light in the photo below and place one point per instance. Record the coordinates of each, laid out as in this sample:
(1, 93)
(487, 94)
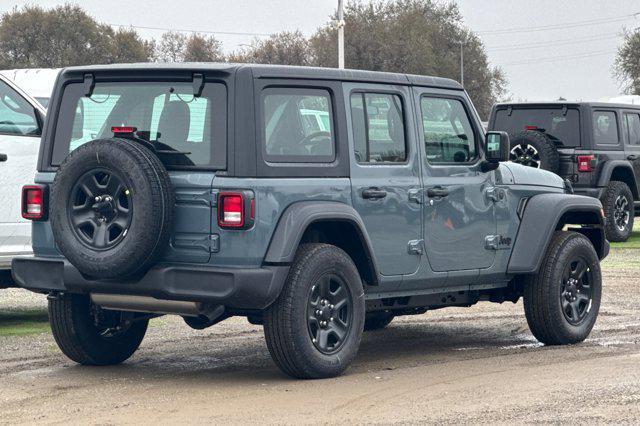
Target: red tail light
(34, 202)
(586, 163)
(231, 210)
(531, 127)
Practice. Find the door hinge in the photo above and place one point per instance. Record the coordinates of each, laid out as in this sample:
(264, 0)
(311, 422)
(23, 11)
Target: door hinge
(497, 242)
(209, 243)
(416, 247)
(495, 194)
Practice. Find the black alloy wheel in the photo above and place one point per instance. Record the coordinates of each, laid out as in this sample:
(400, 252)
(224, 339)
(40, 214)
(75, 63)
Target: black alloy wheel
(621, 213)
(100, 209)
(525, 154)
(329, 315)
(575, 295)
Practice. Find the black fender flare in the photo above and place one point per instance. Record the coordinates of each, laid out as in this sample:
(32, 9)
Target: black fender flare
(540, 220)
(297, 217)
(607, 172)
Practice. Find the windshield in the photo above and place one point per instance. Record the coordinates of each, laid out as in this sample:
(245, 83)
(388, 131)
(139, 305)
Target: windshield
(191, 130)
(561, 124)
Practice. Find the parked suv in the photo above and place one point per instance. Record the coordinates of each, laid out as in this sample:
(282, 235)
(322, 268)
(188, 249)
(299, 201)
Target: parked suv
(207, 193)
(595, 146)
(21, 120)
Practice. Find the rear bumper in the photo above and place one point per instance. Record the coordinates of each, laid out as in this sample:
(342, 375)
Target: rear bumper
(248, 289)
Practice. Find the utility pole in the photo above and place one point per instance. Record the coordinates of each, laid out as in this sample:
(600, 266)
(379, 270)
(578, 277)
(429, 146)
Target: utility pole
(462, 63)
(340, 34)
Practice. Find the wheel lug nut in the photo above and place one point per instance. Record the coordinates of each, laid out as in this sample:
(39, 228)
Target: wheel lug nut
(331, 319)
(331, 306)
(97, 199)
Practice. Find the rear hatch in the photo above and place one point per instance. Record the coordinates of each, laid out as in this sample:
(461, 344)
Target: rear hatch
(560, 122)
(165, 112)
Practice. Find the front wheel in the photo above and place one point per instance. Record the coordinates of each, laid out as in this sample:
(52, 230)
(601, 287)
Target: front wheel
(89, 335)
(313, 329)
(562, 300)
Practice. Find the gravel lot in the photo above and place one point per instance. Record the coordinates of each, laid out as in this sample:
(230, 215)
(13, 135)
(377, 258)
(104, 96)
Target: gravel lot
(477, 365)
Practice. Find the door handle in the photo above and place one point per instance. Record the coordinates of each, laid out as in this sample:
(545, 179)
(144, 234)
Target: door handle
(437, 192)
(373, 193)
(3, 157)
(632, 157)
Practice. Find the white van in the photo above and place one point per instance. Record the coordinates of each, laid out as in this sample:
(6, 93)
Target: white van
(21, 120)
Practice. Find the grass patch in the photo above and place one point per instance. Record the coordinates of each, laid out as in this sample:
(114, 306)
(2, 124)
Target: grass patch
(24, 322)
(634, 240)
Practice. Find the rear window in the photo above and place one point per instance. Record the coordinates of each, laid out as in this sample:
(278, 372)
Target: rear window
(167, 114)
(562, 125)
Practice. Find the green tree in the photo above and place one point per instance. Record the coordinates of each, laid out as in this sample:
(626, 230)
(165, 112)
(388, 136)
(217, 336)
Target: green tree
(199, 48)
(412, 36)
(285, 48)
(627, 64)
(33, 37)
(171, 47)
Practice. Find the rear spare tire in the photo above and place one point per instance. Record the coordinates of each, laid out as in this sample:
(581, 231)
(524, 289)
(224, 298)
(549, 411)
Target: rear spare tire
(535, 149)
(111, 208)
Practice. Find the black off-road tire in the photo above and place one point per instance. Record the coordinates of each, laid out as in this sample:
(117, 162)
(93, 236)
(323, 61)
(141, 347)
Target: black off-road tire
(549, 158)
(152, 201)
(542, 291)
(285, 322)
(610, 199)
(77, 335)
(377, 320)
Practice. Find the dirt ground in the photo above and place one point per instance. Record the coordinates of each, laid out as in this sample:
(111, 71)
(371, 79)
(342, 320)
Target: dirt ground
(477, 365)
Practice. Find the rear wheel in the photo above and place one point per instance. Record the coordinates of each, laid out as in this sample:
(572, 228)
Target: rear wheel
(562, 300)
(619, 211)
(313, 329)
(89, 335)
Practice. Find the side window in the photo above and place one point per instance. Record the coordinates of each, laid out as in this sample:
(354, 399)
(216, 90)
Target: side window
(378, 128)
(17, 116)
(632, 128)
(448, 134)
(297, 125)
(605, 128)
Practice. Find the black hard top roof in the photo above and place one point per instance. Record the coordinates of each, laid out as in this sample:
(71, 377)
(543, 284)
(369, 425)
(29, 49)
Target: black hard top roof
(560, 104)
(278, 71)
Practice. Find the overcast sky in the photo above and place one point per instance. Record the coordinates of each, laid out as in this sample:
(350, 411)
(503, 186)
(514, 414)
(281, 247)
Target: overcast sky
(547, 48)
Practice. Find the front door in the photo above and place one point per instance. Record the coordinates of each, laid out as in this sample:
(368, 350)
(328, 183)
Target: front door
(385, 174)
(19, 142)
(458, 215)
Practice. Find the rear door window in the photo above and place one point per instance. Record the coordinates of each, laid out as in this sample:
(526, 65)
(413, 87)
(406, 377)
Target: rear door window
(605, 128)
(378, 128)
(297, 125)
(632, 128)
(192, 129)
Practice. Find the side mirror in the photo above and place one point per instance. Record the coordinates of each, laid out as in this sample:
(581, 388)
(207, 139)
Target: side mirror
(496, 149)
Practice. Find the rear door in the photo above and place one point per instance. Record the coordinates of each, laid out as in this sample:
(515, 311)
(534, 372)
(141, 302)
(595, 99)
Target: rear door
(631, 133)
(385, 176)
(20, 131)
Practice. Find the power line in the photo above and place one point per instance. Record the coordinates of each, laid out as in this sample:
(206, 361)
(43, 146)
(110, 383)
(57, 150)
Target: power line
(559, 58)
(575, 24)
(184, 30)
(561, 42)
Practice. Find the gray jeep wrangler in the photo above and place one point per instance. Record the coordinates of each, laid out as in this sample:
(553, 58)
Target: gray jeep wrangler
(317, 202)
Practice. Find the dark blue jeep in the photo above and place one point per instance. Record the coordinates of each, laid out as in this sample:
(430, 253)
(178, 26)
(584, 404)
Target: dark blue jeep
(318, 202)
